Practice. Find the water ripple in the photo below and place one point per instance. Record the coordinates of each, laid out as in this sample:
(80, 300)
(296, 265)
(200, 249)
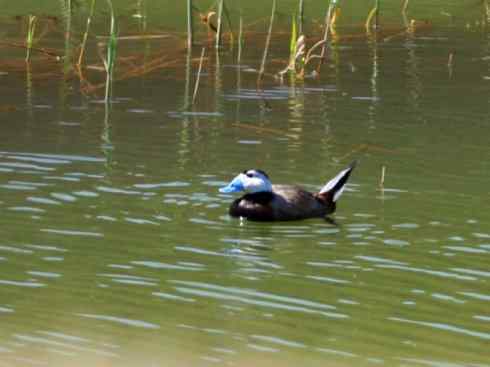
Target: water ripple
(439, 273)
(254, 297)
(121, 320)
(446, 327)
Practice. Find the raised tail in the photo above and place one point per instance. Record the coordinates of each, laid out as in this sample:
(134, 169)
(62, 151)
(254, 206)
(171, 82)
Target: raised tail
(335, 187)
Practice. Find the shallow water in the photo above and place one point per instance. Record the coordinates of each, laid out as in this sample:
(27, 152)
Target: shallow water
(116, 247)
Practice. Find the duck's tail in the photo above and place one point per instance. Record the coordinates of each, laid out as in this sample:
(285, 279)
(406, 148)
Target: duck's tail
(335, 187)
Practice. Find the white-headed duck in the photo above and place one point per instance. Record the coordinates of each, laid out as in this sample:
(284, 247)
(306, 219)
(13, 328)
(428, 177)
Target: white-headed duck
(266, 202)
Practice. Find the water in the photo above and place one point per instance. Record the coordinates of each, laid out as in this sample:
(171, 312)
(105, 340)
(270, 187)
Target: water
(116, 247)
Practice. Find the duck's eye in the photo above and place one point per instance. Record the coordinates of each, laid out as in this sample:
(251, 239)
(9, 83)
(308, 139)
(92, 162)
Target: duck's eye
(249, 174)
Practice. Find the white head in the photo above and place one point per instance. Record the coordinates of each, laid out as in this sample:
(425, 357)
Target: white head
(252, 180)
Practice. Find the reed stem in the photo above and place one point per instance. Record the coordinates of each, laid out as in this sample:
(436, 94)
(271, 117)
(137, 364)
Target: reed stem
(220, 24)
(328, 19)
(111, 54)
(240, 35)
(267, 44)
(31, 28)
(382, 178)
(228, 20)
(190, 25)
(85, 35)
(300, 16)
(196, 86)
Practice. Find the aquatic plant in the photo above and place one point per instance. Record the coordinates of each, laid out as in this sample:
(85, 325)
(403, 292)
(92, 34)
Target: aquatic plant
(31, 28)
(219, 28)
(110, 61)
(240, 40)
(297, 48)
(85, 35)
(66, 12)
(301, 10)
(267, 44)
(196, 86)
(328, 19)
(190, 25)
(374, 13)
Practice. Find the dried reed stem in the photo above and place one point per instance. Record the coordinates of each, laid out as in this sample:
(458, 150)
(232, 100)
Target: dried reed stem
(220, 24)
(196, 86)
(382, 178)
(240, 36)
(190, 26)
(267, 44)
(85, 35)
(301, 16)
(328, 18)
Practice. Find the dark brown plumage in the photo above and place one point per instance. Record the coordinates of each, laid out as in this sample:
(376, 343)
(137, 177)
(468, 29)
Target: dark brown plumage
(282, 204)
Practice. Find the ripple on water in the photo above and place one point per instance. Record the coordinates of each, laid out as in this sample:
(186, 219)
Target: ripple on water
(395, 242)
(241, 255)
(72, 232)
(278, 341)
(27, 209)
(64, 343)
(114, 190)
(121, 320)
(406, 226)
(42, 200)
(444, 327)
(165, 266)
(163, 184)
(64, 197)
(130, 279)
(253, 297)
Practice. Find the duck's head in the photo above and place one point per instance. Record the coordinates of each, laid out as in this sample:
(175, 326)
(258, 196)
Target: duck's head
(252, 180)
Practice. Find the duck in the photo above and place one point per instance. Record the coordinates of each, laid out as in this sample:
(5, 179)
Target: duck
(264, 201)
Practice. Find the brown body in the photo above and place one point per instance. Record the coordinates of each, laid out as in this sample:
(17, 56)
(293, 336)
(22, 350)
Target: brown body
(284, 203)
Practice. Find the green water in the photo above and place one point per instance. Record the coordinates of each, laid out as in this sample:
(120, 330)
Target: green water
(116, 248)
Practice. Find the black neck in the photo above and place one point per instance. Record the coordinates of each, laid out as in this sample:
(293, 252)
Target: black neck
(261, 197)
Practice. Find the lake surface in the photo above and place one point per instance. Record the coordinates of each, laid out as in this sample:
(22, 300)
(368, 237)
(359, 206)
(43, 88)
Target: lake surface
(116, 247)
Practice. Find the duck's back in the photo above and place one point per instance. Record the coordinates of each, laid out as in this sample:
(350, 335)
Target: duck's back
(285, 202)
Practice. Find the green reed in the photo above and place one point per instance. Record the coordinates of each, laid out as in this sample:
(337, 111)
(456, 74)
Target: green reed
(85, 35)
(110, 62)
(31, 28)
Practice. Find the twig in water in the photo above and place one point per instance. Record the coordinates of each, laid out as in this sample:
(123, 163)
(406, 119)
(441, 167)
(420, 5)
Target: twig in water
(196, 86)
(267, 44)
